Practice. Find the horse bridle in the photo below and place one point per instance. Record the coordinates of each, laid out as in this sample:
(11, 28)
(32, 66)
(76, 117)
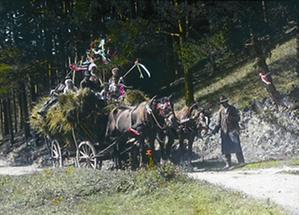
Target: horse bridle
(161, 108)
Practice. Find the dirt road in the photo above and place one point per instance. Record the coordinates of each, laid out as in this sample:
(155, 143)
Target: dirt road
(6, 169)
(278, 185)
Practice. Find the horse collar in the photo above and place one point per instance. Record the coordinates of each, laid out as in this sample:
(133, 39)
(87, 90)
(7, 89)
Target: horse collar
(148, 109)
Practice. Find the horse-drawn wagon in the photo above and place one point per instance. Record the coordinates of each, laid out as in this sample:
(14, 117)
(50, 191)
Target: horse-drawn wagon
(88, 130)
(74, 128)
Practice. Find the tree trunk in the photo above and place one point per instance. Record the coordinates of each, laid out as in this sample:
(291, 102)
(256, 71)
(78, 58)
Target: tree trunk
(24, 106)
(212, 63)
(264, 11)
(188, 85)
(5, 117)
(9, 119)
(149, 9)
(171, 57)
(21, 123)
(1, 119)
(33, 92)
(297, 47)
(15, 111)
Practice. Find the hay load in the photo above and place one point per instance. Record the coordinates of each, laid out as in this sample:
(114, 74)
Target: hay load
(82, 111)
(70, 110)
(134, 97)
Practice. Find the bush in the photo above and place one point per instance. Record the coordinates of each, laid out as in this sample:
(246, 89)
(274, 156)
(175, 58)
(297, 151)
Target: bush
(148, 180)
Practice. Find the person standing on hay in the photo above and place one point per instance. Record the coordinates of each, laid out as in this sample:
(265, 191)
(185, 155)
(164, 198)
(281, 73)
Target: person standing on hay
(87, 82)
(228, 123)
(116, 85)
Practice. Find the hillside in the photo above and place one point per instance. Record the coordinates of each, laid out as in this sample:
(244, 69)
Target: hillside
(242, 85)
(266, 133)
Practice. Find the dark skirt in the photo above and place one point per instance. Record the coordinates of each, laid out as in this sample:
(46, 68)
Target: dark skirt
(230, 142)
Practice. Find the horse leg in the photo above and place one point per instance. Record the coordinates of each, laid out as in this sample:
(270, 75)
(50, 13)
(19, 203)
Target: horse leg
(151, 141)
(162, 150)
(169, 146)
(181, 148)
(190, 146)
(121, 156)
(134, 159)
(142, 155)
(117, 153)
(117, 156)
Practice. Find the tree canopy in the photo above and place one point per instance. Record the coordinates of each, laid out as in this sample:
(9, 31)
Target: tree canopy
(175, 39)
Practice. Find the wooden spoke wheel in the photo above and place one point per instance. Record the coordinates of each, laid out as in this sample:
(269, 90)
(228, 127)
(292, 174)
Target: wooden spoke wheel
(86, 155)
(56, 155)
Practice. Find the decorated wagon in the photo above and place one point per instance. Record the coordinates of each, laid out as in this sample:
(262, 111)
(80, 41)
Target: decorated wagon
(75, 128)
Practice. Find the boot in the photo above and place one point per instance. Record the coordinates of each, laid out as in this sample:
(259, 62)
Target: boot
(240, 157)
(228, 161)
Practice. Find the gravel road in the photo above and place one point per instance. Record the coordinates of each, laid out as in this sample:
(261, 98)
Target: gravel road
(278, 185)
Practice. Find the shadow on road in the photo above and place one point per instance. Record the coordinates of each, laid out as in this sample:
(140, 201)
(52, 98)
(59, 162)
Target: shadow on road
(212, 165)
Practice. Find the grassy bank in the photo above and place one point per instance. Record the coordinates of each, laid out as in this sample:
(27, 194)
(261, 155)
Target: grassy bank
(159, 191)
(272, 164)
(242, 85)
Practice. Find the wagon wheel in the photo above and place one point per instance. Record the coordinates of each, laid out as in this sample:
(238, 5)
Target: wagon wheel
(86, 155)
(56, 155)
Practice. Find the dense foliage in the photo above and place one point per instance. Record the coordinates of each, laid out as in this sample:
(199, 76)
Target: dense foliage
(175, 39)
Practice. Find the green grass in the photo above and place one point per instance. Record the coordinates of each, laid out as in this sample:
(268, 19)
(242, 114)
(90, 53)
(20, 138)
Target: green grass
(159, 191)
(270, 164)
(179, 198)
(242, 85)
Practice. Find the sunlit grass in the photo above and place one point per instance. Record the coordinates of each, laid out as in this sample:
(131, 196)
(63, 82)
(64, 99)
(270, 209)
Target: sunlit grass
(179, 198)
(79, 191)
(271, 164)
(242, 85)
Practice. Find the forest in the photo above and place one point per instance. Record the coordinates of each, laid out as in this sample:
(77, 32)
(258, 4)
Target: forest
(185, 44)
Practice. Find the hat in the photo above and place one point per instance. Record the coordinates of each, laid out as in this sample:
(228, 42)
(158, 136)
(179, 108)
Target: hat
(87, 74)
(68, 80)
(115, 71)
(223, 99)
(91, 66)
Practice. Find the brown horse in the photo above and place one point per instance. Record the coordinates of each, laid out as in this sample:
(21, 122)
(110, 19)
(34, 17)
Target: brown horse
(185, 124)
(141, 122)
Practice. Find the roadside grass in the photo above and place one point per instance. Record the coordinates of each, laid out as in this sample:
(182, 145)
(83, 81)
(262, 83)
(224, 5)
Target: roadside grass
(243, 86)
(270, 164)
(163, 190)
(179, 198)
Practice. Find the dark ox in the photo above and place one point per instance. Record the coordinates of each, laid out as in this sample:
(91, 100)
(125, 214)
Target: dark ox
(185, 124)
(142, 123)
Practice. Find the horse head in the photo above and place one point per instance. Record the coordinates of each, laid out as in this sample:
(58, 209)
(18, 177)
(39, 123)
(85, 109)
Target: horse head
(164, 106)
(160, 109)
(201, 119)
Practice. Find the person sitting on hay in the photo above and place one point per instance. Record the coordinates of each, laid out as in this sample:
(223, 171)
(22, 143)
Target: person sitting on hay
(69, 86)
(52, 100)
(89, 82)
